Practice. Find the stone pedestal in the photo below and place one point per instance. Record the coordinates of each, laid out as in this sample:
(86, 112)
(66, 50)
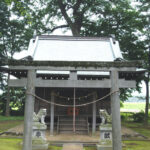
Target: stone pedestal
(38, 136)
(38, 131)
(105, 137)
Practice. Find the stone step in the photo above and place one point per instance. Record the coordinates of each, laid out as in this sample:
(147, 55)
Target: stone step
(82, 120)
(71, 121)
(71, 118)
(66, 125)
(77, 132)
(77, 125)
(71, 129)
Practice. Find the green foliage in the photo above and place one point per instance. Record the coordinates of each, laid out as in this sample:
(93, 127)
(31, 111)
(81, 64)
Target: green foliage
(121, 104)
(17, 101)
(96, 18)
(138, 117)
(83, 17)
(126, 116)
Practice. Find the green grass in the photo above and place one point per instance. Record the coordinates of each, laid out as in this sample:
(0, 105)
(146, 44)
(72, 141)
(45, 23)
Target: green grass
(54, 148)
(10, 144)
(4, 118)
(138, 106)
(15, 144)
(5, 125)
(9, 122)
(136, 145)
(138, 127)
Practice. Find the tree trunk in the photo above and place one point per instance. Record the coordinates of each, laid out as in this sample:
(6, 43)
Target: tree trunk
(75, 31)
(7, 112)
(147, 102)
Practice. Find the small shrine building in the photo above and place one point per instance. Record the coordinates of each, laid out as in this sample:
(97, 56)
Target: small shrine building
(73, 77)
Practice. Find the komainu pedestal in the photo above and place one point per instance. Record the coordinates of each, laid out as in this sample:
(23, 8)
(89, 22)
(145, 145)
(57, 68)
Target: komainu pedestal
(105, 131)
(39, 128)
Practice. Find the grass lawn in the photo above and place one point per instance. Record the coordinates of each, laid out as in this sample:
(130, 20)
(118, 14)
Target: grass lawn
(14, 118)
(14, 144)
(138, 106)
(9, 122)
(10, 144)
(138, 127)
(136, 145)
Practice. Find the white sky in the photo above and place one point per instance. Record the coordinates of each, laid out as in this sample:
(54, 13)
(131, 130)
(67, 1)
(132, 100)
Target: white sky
(143, 90)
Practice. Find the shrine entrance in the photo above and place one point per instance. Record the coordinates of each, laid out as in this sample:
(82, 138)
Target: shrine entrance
(85, 102)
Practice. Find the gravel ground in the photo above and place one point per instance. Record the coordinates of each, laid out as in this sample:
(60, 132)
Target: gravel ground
(126, 133)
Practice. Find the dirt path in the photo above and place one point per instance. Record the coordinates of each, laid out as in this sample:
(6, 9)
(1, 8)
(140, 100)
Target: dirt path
(126, 133)
(72, 146)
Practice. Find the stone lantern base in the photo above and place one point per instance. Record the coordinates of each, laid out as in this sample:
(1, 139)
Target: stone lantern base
(105, 137)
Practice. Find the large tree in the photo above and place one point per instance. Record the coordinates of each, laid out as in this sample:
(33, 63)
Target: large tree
(144, 8)
(14, 36)
(86, 18)
(95, 18)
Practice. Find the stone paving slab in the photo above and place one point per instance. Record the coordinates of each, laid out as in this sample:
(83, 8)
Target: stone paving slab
(71, 146)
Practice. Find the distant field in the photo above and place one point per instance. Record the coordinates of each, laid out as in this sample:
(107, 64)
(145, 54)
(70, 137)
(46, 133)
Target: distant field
(136, 105)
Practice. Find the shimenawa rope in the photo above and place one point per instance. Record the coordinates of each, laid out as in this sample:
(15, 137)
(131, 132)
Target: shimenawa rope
(80, 105)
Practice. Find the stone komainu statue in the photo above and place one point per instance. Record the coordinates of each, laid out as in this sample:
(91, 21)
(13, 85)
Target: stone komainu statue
(105, 117)
(40, 116)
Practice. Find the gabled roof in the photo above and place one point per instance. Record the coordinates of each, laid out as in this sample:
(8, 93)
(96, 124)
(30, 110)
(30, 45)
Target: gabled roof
(68, 48)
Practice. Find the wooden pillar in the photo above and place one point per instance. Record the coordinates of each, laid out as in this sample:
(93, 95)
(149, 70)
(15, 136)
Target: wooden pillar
(94, 115)
(74, 109)
(52, 115)
(115, 109)
(29, 109)
(73, 76)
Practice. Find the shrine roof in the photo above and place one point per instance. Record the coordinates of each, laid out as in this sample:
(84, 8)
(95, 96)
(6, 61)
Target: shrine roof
(69, 48)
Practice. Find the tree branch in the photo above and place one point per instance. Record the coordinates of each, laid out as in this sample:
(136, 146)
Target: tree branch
(58, 27)
(77, 5)
(63, 11)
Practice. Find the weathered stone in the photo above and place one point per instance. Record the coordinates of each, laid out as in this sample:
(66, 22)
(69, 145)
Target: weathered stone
(38, 135)
(103, 147)
(105, 132)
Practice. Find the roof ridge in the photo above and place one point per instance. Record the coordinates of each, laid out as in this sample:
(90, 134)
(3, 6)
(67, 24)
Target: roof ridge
(66, 37)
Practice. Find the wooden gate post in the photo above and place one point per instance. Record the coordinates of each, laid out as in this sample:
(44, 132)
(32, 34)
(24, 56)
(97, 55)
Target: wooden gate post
(115, 109)
(29, 109)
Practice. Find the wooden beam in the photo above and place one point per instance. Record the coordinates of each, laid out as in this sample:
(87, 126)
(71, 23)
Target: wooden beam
(73, 75)
(73, 83)
(29, 109)
(85, 64)
(52, 68)
(115, 109)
